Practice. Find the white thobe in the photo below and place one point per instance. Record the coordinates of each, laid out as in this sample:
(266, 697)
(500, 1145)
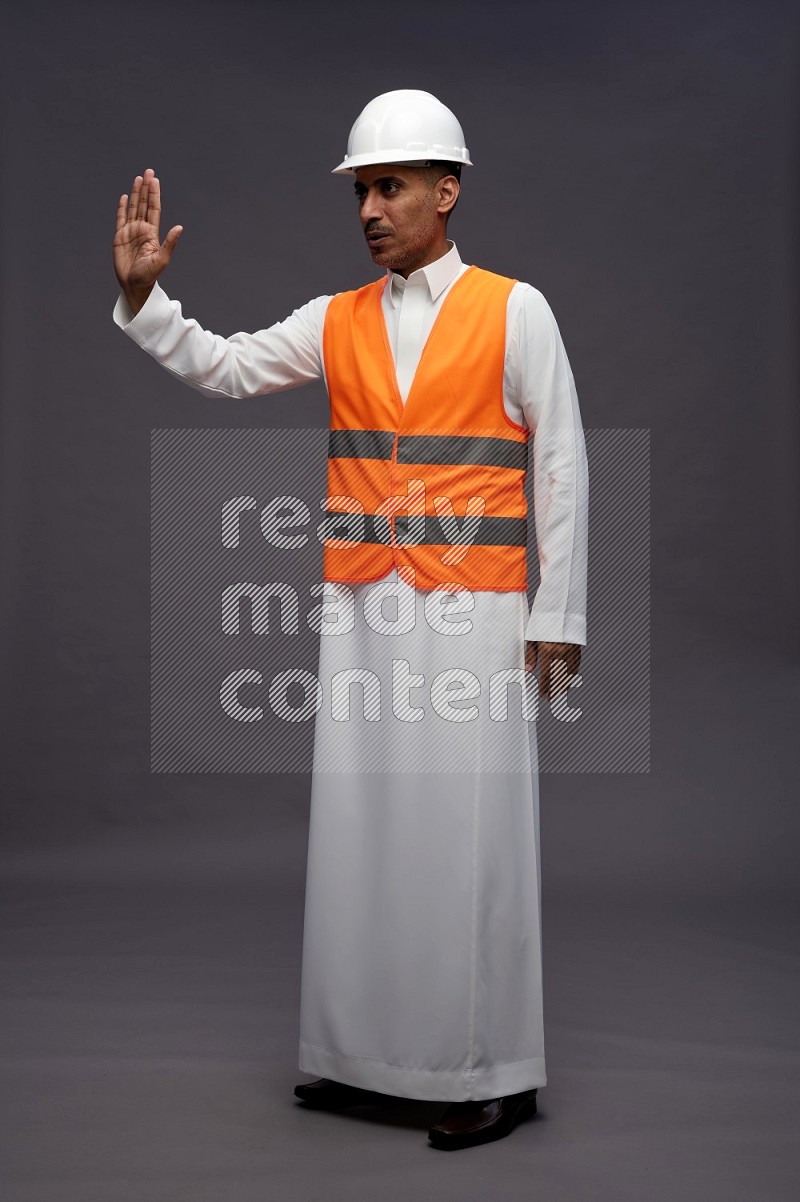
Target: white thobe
(421, 969)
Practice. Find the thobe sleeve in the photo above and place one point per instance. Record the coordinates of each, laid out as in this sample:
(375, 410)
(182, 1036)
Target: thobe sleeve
(540, 376)
(243, 365)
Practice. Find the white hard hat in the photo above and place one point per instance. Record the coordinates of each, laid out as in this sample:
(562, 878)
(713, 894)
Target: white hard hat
(404, 127)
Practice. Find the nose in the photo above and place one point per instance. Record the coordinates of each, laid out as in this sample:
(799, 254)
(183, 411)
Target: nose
(371, 207)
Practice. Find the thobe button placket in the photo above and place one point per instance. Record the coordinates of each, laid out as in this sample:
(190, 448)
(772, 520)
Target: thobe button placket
(409, 331)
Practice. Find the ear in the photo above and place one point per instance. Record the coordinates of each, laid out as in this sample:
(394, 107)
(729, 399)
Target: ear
(447, 190)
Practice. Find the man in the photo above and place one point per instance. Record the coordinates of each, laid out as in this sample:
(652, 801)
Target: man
(421, 973)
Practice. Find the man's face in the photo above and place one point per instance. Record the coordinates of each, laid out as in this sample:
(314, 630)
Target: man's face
(402, 214)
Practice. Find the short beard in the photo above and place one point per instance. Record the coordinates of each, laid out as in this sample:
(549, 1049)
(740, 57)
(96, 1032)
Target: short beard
(402, 263)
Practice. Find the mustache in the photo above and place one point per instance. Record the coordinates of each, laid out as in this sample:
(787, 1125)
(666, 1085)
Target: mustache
(372, 227)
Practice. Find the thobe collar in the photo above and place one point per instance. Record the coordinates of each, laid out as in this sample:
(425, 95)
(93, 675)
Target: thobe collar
(436, 275)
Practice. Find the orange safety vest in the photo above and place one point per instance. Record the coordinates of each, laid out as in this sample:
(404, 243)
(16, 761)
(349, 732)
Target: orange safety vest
(437, 484)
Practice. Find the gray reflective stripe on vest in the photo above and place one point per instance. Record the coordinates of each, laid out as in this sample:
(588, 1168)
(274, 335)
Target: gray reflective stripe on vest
(360, 444)
(458, 448)
(491, 532)
(429, 448)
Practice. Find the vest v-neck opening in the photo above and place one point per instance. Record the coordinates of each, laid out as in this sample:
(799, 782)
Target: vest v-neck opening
(402, 406)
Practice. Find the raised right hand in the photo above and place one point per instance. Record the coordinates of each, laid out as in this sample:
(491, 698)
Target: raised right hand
(139, 257)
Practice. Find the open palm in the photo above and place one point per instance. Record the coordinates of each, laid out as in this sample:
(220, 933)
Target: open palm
(139, 255)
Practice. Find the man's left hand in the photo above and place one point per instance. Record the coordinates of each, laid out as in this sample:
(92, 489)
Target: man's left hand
(546, 656)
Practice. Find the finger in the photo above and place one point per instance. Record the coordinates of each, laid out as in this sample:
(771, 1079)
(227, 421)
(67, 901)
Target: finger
(171, 239)
(122, 210)
(140, 210)
(572, 659)
(561, 675)
(544, 675)
(133, 202)
(144, 197)
(553, 671)
(153, 214)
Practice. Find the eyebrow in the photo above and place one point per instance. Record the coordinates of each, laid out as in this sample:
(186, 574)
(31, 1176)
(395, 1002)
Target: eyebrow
(383, 179)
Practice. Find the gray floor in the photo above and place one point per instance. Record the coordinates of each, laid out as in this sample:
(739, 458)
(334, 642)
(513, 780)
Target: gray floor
(150, 1024)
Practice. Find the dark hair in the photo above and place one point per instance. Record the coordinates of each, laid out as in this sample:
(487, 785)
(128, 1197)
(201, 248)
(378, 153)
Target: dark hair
(447, 168)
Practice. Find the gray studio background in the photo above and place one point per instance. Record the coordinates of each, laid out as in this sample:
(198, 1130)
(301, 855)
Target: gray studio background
(638, 164)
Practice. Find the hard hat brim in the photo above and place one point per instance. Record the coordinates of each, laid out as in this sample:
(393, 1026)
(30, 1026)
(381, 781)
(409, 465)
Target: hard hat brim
(401, 158)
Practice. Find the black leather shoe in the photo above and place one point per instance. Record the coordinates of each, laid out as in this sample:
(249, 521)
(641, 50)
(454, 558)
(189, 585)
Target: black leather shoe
(464, 1124)
(331, 1095)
